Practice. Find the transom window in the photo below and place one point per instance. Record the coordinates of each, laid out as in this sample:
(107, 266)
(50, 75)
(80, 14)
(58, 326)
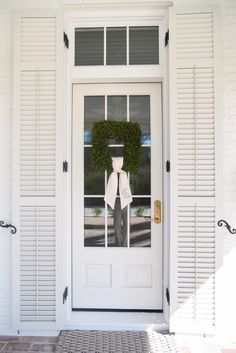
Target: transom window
(117, 46)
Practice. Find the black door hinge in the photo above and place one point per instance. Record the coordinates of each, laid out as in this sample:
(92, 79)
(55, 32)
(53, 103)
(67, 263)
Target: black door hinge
(65, 167)
(66, 40)
(168, 296)
(168, 166)
(167, 38)
(65, 295)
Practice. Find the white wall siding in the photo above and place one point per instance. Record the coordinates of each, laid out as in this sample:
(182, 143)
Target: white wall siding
(6, 54)
(227, 303)
(229, 109)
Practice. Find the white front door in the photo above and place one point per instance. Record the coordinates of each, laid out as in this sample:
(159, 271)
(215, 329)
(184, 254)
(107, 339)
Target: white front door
(117, 256)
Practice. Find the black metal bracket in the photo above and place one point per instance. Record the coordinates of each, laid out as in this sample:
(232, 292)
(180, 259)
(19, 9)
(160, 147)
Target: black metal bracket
(3, 225)
(66, 40)
(167, 38)
(65, 167)
(168, 296)
(168, 166)
(65, 295)
(222, 222)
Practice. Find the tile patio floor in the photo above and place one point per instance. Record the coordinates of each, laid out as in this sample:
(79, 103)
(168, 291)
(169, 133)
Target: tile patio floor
(41, 344)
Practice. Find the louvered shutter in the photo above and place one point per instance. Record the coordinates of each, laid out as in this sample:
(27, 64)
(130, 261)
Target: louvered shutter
(193, 74)
(36, 124)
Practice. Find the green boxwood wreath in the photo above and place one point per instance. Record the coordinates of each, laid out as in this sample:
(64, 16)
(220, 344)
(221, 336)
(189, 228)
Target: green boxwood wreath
(127, 133)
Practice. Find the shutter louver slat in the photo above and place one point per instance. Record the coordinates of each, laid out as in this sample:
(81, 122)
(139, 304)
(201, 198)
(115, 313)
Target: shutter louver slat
(38, 39)
(37, 280)
(194, 35)
(37, 133)
(196, 265)
(193, 133)
(193, 176)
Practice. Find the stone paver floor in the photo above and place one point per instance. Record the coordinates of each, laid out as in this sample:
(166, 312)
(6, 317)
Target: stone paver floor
(27, 344)
(41, 344)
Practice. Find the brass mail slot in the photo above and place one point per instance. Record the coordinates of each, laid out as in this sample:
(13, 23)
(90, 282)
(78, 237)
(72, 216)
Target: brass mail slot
(157, 211)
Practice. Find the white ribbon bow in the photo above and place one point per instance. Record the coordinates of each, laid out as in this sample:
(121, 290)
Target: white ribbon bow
(112, 185)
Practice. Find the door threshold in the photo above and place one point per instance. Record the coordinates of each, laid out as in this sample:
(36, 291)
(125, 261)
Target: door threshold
(119, 310)
(116, 321)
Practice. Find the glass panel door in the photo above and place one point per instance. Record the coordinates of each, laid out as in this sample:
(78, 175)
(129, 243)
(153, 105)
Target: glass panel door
(117, 254)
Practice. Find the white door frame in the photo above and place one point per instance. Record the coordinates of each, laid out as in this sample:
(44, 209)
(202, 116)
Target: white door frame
(147, 74)
(150, 259)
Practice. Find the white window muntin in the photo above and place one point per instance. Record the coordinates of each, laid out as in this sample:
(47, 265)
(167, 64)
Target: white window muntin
(105, 23)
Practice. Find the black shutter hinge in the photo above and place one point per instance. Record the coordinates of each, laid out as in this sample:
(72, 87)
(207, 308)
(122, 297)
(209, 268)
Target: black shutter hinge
(65, 295)
(66, 40)
(168, 166)
(65, 167)
(167, 38)
(168, 296)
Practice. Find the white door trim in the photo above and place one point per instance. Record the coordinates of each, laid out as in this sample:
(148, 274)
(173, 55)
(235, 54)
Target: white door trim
(144, 74)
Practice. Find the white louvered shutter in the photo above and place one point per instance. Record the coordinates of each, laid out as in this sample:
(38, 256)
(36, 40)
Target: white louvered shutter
(193, 58)
(36, 122)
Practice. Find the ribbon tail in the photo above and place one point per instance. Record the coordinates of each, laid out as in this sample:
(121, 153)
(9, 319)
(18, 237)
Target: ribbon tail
(111, 190)
(125, 192)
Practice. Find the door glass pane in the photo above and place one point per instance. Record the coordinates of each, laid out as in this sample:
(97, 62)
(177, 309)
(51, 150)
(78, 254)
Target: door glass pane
(94, 222)
(89, 46)
(117, 225)
(94, 110)
(143, 45)
(116, 46)
(139, 107)
(94, 183)
(140, 182)
(140, 222)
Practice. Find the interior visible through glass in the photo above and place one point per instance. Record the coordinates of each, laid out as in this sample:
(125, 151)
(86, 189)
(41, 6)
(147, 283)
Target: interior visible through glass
(89, 46)
(126, 45)
(104, 226)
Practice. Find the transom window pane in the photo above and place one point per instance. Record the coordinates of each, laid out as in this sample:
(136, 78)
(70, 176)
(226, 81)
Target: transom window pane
(116, 46)
(143, 45)
(143, 48)
(89, 46)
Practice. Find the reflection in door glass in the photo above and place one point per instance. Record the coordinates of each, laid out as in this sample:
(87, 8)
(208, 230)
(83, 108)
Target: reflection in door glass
(94, 110)
(117, 225)
(140, 182)
(140, 112)
(93, 180)
(140, 222)
(117, 108)
(94, 221)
